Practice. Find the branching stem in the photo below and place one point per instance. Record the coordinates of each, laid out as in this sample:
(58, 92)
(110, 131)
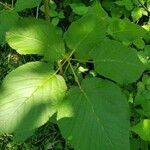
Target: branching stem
(66, 60)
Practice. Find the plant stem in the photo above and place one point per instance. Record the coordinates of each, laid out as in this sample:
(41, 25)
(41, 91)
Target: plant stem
(37, 11)
(75, 76)
(66, 68)
(12, 4)
(5, 5)
(66, 60)
(77, 80)
(59, 65)
(46, 9)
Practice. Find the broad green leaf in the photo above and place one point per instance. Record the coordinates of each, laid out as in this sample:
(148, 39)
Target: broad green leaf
(117, 62)
(29, 96)
(143, 129)
(23, 4)
(96, 117)
(125, 31)
(32, 36)
(7, 20)
(86, 32)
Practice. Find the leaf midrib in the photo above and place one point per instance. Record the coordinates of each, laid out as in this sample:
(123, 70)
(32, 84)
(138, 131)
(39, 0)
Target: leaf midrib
(94, 113)
(38, 87)
(117, 61)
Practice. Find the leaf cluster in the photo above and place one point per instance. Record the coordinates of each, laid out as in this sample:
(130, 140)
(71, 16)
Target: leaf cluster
(86, 77)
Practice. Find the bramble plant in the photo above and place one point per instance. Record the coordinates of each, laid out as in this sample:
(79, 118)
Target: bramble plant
(92, 113)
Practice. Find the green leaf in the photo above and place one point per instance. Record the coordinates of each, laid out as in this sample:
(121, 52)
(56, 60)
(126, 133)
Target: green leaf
(96, 117)
(143, 129)
(143, 95)
(79, 8)
(55, 21)
(108, 4)
(117, 62)
(128, 4)
(61, 15)
(29, 96)
(86, 32)
(23, 4)
(8, 19)
(32, 36)
(147, 50)
(139, 43)
(98, 10)
(134, 144)
(118, 12)
(52, 12)
(144, 145)
(137, 13)
(144, 59)
(1, 7)
(147, 27)
(125, 31)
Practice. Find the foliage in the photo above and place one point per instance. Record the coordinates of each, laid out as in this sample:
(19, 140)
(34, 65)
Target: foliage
(107, 55)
